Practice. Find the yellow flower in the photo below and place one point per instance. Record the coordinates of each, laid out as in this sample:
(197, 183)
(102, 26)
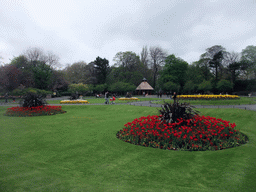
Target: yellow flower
(74, 101)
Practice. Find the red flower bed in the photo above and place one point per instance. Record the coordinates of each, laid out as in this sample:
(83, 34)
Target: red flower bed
(34, 111)
(197, 134)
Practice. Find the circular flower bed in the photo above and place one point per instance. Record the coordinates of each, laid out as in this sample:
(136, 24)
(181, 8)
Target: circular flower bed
(34, 111)
(128, 99)
(199, 133)
(74, 101)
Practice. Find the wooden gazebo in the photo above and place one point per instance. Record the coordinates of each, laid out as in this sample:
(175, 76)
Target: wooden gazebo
(144, 88)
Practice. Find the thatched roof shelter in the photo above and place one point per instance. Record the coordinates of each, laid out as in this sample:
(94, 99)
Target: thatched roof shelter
(144, 87)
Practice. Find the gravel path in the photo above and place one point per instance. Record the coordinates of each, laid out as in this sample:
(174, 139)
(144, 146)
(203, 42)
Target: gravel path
(246, 107)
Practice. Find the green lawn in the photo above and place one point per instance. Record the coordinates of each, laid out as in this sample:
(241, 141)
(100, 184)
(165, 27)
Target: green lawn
(79, 151)
(241, 101)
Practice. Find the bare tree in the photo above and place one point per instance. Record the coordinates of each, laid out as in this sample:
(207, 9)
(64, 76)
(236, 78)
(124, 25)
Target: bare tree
(37, 54)
(232, 57)
(52, 59)
(232, 61)
(34, 54)
(144, 56)
(158, 56)
(1, 59)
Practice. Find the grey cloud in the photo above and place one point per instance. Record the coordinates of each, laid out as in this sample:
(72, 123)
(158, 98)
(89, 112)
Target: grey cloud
(84, 30)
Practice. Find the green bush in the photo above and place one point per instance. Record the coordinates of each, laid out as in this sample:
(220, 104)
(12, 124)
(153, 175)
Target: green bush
(189, 87)
(224, 86)
(80, 88)
(100, 88)
(23, 92)
(121, 87)
(17, 92)
(205, 86)
(65, 93)
(170, 86)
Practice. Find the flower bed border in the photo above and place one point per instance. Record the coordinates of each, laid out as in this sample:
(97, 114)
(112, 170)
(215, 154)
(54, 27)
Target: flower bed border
(197, 134)
(207, 97)
(74, 102)
(34, 111)
(128, 99)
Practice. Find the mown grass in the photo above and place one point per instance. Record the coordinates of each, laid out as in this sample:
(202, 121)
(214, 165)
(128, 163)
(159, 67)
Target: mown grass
(241, 101)
(79, 151)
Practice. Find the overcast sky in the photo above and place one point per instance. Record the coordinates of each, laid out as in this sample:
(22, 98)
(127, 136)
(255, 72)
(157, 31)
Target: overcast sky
(81, 30)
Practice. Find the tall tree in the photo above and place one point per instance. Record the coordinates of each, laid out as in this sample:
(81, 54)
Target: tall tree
(36, 67)
(158, 56)
(215, 63)
(42, 75)
(90, 74)
(127, 60)
(128, 67)
(249, 60)
(204, 67)
(52, 59)
(146, 69)
(76, 73)
(197, 73)
(10, 77)
(58, 81)
(233, 65)
(175, 70)
(101, 69)
(22, 63)
(214, 56)
(34, 54)
(37, 54)
(144, 56)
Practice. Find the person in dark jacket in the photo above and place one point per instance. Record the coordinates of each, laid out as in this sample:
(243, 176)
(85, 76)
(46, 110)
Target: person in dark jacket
(174, 96)
(6, 97)
(106, 98)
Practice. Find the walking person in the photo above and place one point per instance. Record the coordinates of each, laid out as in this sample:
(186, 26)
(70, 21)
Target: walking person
(174, 96)
(6, 97)
(106, 98)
